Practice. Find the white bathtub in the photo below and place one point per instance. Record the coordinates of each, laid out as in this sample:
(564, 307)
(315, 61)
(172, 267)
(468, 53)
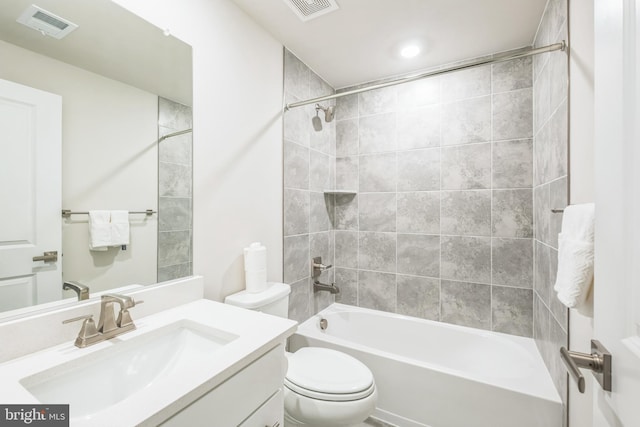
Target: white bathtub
(439, 375)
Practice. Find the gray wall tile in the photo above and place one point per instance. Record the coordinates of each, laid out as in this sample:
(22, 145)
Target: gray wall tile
(347, 137)
(296, 76)
(419, 297)
(296, 212)
(466, 121)
(512, 75)
(347, 173)
(347, 281)
(466, 258)
(512, 311)
(512, 213)
(346, 249)
(296, 166)
(542, 219)
(419, 170)
(419, 93)
(512, 262)
(299, 300)
(377, 211)
(469, 83)
(176, 149)
(377, 101)
(542, 274)
(418, 128)
(321, 209)
(512, 114)
(377, 251)
(174, 214)
(466, 213)
(174, 247)
(513, 164)
(346, 212)
(296, 258)
(174, 271)
(558, 200)
(319, 246)
(347, 107)
(320, 166)
(466, 304)
(377, 290)
(466, 167)
(174, 180)
(419, 255)
(323, 140)
(173, 115)
(377, 173)
(558, 142)
(377, 134)
(297, 123)
(419, 212)
(541, 98)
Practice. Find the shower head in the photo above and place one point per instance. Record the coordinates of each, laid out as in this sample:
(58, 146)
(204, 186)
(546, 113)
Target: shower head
(316, 122)
(329, 113)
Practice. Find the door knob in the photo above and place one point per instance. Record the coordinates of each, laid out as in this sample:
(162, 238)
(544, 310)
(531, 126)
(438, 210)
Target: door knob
(51, 256)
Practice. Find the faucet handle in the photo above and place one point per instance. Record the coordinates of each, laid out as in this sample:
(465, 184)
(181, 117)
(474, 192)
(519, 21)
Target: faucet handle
(88, 329)
(124, 317)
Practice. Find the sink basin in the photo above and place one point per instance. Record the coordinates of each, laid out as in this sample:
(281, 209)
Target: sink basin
(92, 383)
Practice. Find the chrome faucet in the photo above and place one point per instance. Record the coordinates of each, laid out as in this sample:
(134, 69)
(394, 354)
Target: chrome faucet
(78, 288)
(108, 325)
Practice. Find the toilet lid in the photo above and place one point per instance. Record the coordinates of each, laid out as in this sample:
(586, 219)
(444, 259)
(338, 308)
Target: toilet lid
(327, 371)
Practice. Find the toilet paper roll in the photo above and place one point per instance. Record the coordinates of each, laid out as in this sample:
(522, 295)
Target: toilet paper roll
(256, 281)
(255, 257)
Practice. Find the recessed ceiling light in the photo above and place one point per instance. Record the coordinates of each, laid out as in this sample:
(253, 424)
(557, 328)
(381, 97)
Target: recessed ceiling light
(410, 51)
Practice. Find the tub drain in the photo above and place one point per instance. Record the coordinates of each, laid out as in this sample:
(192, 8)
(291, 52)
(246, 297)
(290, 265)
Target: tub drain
(323, 323)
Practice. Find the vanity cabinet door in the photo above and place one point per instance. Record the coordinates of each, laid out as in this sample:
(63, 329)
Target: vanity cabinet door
(270, 414)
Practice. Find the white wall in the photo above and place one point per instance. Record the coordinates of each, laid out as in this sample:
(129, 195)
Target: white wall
(109, 131)
(581, 180)
(237, 135)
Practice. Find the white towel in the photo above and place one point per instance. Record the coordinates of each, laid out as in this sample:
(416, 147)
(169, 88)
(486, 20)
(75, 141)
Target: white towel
(99, 230)
(575, 255)
(119, 228)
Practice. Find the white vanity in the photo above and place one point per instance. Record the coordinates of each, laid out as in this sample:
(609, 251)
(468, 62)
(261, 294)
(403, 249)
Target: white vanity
(201, 363)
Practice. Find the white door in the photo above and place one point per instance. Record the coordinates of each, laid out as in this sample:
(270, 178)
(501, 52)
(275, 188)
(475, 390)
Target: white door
(617, 246)
(30, 191)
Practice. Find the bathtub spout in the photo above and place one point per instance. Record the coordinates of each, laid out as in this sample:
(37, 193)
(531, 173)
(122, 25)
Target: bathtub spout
(332, 288)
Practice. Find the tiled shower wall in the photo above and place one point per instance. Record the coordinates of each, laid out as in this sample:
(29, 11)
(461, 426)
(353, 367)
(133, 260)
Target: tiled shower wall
(174, 191)
(441, 226)
(550, 187)
(309, 165)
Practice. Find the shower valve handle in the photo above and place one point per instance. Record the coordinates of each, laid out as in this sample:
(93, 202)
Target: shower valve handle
(318, 266)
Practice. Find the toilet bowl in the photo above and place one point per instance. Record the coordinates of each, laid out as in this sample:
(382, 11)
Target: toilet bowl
(322, 387)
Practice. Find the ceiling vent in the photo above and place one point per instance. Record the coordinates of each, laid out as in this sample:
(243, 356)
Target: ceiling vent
(46, 22)
(310, 9)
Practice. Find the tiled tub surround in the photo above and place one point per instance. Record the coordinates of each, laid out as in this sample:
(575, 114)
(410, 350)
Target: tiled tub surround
(550, 125)
(175, 203)
(442, 224)
(309, 159)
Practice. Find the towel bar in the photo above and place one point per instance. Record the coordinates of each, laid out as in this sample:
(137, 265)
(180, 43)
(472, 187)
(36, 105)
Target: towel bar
(66, 213)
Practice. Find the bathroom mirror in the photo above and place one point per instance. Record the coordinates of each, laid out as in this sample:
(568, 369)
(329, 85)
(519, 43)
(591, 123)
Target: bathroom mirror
(124, 85)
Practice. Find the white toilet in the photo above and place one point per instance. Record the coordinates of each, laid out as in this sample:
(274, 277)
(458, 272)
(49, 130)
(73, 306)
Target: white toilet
(322, 387)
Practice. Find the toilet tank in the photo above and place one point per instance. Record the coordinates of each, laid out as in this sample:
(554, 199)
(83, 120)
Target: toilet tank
(273, 300)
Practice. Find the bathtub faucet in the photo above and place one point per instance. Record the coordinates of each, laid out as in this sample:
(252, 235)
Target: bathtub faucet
(332, 288)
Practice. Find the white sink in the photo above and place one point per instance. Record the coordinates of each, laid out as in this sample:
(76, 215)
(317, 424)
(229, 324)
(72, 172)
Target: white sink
(97, 381)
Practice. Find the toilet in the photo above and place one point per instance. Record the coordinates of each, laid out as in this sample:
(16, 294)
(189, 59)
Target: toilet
(322, 387)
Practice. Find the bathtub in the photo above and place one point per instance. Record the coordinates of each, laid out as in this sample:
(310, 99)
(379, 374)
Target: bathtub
(440, 375)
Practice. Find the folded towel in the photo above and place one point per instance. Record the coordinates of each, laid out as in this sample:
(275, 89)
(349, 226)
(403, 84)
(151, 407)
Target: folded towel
(99, 230)
(119, 228)
(575, 255)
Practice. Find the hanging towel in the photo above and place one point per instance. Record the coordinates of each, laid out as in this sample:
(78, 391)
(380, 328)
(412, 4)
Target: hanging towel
(99, 230)
(575, 255)
(119, 228)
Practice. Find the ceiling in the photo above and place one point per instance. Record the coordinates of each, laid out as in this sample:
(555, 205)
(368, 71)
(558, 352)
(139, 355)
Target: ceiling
(360, 41)
(107, 37)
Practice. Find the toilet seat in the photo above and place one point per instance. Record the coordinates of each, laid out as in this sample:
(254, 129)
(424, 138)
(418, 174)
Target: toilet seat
(329, 375)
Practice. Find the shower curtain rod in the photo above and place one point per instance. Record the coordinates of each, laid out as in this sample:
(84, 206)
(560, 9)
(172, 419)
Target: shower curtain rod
(506, 57)
(171, 135)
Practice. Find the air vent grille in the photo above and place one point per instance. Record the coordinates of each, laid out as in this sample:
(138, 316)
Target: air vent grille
(46, 22)
(310, 9)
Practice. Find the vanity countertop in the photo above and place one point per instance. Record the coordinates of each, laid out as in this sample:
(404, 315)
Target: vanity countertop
(257, 333)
